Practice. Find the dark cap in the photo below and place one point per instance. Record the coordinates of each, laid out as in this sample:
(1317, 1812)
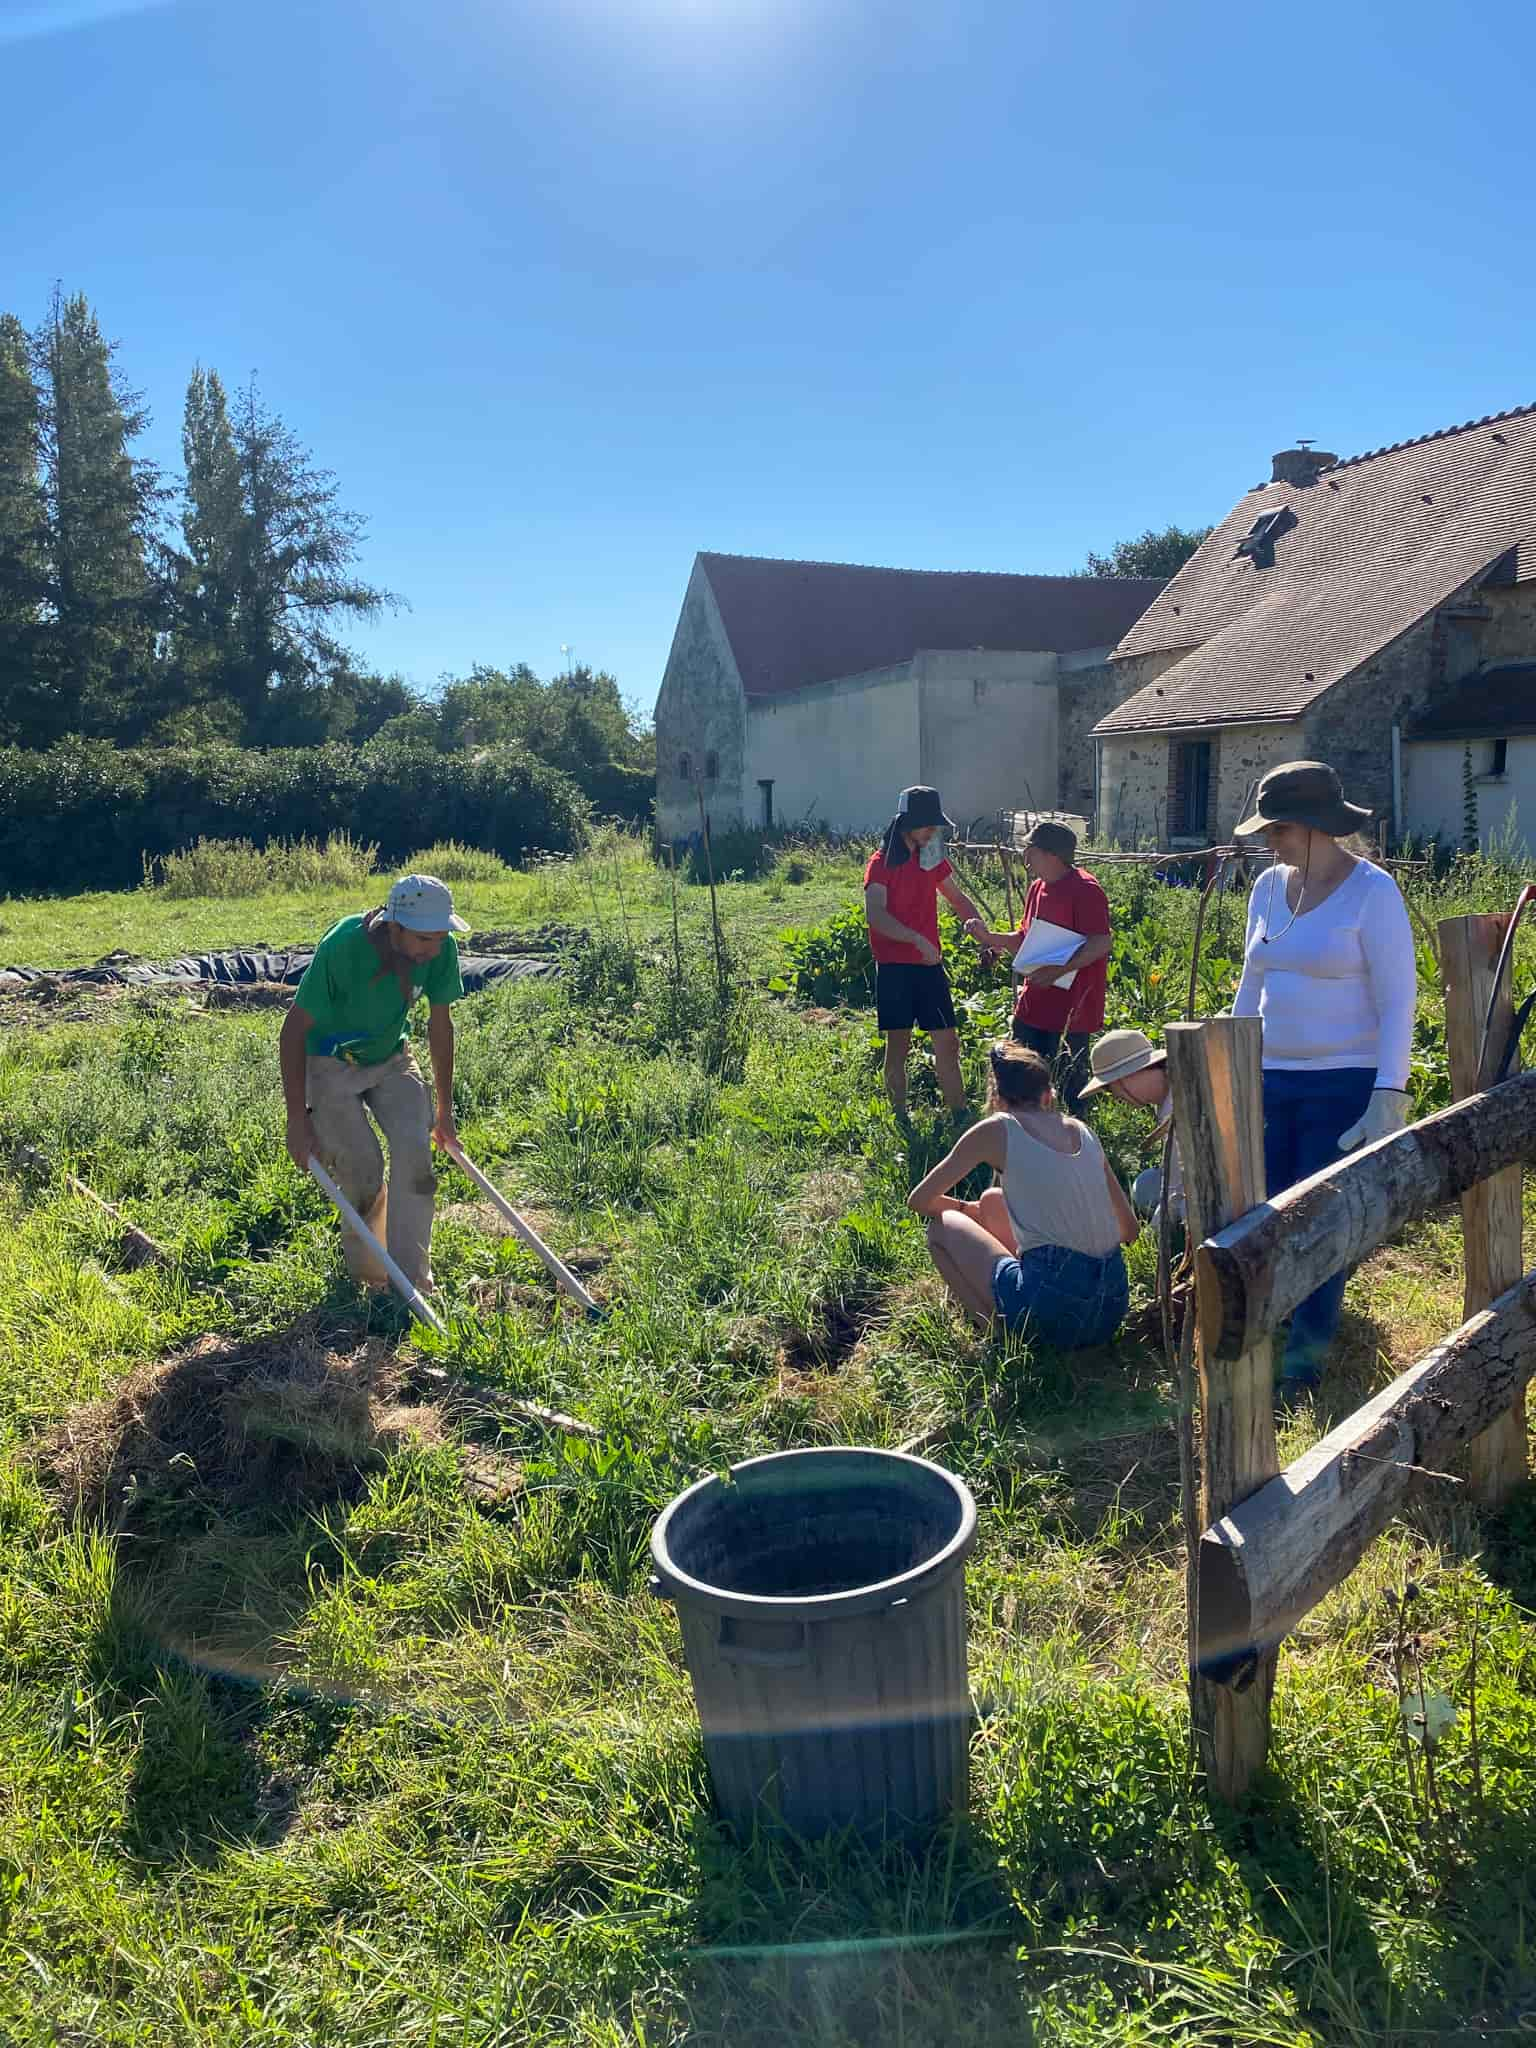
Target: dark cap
(920, 805)
(1058, 839)
(1305, 793)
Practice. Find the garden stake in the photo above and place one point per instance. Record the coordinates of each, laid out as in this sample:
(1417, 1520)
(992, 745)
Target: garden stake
(552, 1261)
(1505, 964)
(714, 906)
(412, 1299)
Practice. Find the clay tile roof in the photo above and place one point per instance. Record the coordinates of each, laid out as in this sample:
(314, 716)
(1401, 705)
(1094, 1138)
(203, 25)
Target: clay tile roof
(1493, 700)
(1378, 541)
(792, 624)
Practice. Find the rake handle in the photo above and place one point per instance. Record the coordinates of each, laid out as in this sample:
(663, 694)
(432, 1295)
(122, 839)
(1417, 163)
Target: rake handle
(410, 1295)
(552, 1261)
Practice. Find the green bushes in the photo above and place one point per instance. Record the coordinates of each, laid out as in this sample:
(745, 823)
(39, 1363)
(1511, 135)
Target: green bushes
(451, 862)
(831, 963)
(739, 855)
(86, 814)
(236, 867)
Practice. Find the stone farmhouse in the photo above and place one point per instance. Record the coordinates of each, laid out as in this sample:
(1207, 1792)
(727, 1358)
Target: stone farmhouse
(1377, 612)
(811, 692)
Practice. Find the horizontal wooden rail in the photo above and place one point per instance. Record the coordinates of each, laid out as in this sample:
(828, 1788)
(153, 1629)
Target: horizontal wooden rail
(1270, 1559)
(1252, 1274)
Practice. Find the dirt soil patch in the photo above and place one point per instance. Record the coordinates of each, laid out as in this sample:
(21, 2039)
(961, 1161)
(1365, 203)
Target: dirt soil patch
(834, 1335)
(296, 1417)
(246, 995)
(40, 1003)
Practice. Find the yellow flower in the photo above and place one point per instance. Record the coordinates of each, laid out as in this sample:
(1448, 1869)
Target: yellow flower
(1154, 975)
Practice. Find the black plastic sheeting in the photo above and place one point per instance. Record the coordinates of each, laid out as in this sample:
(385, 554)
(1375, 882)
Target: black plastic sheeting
(199, 970)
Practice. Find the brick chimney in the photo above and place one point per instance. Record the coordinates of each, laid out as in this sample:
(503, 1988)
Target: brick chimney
(1301, 465)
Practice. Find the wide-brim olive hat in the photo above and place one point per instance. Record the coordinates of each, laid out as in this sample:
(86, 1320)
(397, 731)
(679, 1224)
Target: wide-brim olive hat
(1305, 793)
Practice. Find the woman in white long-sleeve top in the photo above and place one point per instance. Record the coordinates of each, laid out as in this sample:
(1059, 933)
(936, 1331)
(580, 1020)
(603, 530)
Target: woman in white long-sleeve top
(1329, 968)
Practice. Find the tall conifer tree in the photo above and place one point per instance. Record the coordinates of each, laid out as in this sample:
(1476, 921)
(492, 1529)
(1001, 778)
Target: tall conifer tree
(100, 504)
(23, 558)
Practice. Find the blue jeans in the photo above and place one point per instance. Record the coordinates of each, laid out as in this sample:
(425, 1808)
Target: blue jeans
(1306, 1112)
(1064, 1296)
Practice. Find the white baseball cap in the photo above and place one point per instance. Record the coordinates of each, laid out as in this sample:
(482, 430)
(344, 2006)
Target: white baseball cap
(423, 904)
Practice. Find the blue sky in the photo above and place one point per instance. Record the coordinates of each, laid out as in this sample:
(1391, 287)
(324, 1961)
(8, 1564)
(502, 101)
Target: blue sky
(566, 292)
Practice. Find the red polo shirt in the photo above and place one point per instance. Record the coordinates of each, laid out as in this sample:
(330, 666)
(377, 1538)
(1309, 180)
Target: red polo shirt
(912, 897)
(1077, 902)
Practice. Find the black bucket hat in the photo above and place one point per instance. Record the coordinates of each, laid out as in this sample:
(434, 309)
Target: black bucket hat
(919, 805)
(1305, 793)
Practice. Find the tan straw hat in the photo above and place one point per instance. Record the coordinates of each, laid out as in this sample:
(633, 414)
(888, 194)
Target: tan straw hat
(1118, 1055)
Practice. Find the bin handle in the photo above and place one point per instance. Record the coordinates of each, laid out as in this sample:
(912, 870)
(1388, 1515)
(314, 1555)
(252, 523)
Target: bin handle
(770, 1660)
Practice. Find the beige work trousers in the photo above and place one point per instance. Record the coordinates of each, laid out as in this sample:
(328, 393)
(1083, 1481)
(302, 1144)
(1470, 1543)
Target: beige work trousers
(340, 1099)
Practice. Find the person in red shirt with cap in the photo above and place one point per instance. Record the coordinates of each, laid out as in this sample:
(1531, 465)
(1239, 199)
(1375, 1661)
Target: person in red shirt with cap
(902, 886)
(1047, 1016)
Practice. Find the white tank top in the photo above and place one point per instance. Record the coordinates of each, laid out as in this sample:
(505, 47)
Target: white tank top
(1058, 1197)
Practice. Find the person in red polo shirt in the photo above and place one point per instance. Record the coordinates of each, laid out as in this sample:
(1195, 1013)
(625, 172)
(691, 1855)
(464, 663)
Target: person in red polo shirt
(902, 886)
(1048, 1017)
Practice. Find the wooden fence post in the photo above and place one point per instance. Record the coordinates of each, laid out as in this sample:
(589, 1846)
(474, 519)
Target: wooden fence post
(1490, 1212)
(1218, 1113)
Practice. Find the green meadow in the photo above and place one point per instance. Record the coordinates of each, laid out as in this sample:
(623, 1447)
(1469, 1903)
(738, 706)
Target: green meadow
(339, 1711)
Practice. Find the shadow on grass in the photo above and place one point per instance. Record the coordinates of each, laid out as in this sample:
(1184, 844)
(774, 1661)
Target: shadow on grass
(1477, 1886)
(838, 1942)
(209, 1468)
(1508, 1550)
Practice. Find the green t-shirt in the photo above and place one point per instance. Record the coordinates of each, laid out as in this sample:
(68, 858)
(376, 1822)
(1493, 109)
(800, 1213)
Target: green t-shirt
(359, 1014)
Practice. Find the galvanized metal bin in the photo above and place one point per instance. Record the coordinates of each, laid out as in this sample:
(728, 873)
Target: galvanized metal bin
(821, 1595)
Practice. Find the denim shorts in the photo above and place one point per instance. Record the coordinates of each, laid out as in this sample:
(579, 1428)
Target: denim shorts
(1066, 1297)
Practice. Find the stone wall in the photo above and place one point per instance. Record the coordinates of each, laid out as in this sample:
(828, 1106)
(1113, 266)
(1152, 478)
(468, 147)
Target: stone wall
(1247, 753)
(1510, 633)
(1085, 696)
(701, 712)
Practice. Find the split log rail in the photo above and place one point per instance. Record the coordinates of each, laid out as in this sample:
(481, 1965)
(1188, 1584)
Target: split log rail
(1275, 1542)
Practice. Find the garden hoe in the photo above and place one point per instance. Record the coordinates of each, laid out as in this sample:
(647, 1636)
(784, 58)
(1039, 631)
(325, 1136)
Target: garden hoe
(411, 1297)
(553, 1263)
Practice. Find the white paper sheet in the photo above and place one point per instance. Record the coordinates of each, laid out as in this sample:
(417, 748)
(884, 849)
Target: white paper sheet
(1048, 945)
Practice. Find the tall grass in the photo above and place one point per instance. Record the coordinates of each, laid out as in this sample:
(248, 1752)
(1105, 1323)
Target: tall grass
(237, 867)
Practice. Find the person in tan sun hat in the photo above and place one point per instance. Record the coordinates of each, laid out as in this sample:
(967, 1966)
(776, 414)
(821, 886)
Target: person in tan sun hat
(1130, 1067)
(1329, 969)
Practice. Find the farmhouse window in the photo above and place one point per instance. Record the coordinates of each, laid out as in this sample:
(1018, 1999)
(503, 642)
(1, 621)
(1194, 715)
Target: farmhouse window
(767, 788)
(711, 767)
(1189, 789)
(685, 767)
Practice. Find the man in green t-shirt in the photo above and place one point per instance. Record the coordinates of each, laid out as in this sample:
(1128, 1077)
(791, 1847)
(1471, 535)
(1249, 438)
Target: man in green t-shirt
(344, 1053)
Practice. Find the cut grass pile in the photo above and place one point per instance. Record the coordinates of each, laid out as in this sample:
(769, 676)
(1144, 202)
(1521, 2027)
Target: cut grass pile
(308, 1734)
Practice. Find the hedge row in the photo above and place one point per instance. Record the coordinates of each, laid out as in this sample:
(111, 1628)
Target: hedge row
(85, 814)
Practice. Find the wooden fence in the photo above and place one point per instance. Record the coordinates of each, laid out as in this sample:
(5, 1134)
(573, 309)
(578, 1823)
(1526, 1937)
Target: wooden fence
(1274, 1543)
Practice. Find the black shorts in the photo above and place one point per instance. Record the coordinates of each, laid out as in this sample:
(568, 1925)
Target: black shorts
(907, 994)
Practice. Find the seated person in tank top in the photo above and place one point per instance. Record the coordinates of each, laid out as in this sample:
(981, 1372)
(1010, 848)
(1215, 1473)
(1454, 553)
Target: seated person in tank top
(1042, 1249)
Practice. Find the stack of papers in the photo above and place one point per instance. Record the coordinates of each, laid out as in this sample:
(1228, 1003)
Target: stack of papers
(1048, 945)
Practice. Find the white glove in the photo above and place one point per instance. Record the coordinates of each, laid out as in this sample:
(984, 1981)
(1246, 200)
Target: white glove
(1387, 1112)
